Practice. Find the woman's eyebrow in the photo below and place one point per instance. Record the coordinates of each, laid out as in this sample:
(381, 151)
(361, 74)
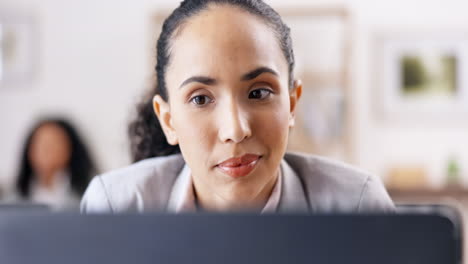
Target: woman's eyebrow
(201, 79)
(253, 74)
(246, 77)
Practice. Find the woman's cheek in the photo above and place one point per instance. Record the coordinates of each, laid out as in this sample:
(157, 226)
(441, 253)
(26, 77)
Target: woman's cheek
(272, 128)
(195, 132)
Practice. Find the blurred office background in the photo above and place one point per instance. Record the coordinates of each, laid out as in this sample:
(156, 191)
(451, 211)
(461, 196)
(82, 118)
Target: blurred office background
(386, 82)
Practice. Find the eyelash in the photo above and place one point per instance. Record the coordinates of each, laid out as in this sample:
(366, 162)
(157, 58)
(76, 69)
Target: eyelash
(193, 99)
(269, 93)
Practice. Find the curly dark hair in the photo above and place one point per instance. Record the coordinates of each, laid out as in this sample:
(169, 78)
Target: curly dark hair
(146, 136)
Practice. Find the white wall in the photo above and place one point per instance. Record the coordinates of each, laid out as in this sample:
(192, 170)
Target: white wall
(94, 62)
(381, 144)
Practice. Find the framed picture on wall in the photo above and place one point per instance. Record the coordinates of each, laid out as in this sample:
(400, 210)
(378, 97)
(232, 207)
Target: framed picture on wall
(18, 53)
(423, 75)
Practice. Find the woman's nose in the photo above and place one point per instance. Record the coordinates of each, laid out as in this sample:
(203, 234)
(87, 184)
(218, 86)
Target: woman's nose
(234, 124)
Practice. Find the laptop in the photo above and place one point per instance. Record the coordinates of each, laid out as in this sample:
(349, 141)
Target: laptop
(39, 237)
(23, 206)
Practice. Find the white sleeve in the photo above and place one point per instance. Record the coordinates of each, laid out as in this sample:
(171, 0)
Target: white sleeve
(95, 199)
(374, 197)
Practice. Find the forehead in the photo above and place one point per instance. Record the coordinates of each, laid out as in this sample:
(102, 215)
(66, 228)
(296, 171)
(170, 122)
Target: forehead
(224, 39)
(50, 130)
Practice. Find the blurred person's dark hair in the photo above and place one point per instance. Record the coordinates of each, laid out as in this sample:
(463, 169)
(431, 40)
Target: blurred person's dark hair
(146, 136)
(81, 166)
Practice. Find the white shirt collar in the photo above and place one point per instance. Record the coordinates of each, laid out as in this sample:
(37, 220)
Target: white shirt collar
(59, 196)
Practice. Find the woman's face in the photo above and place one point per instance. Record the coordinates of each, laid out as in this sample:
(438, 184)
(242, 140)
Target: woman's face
(50, 150)
(229, 105)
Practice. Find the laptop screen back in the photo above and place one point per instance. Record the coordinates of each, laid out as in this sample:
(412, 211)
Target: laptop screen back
(69, 238)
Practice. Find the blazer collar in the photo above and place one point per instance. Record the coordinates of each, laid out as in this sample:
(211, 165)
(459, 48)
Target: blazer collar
(293, 198)
(289, 188)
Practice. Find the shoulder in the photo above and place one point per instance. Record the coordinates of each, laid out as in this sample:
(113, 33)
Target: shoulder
(333, 186)
(145, 185)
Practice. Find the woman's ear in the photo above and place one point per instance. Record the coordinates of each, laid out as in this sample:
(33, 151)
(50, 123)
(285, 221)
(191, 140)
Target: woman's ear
(294, 96)
(162, 110)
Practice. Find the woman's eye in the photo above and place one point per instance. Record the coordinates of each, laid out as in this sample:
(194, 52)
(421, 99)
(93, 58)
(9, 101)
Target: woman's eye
(200, 100)
(259, 94)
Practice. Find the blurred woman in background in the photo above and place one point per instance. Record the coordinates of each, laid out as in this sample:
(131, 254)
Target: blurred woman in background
(55, 166)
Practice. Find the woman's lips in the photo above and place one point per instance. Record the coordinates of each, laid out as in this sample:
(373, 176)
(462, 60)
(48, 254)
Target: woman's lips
(240, 166)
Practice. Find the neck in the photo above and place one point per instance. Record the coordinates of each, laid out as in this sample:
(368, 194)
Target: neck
(212, 201)
(46, 179)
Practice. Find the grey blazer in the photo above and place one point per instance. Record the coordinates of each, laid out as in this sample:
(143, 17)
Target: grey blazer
(309, 184)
